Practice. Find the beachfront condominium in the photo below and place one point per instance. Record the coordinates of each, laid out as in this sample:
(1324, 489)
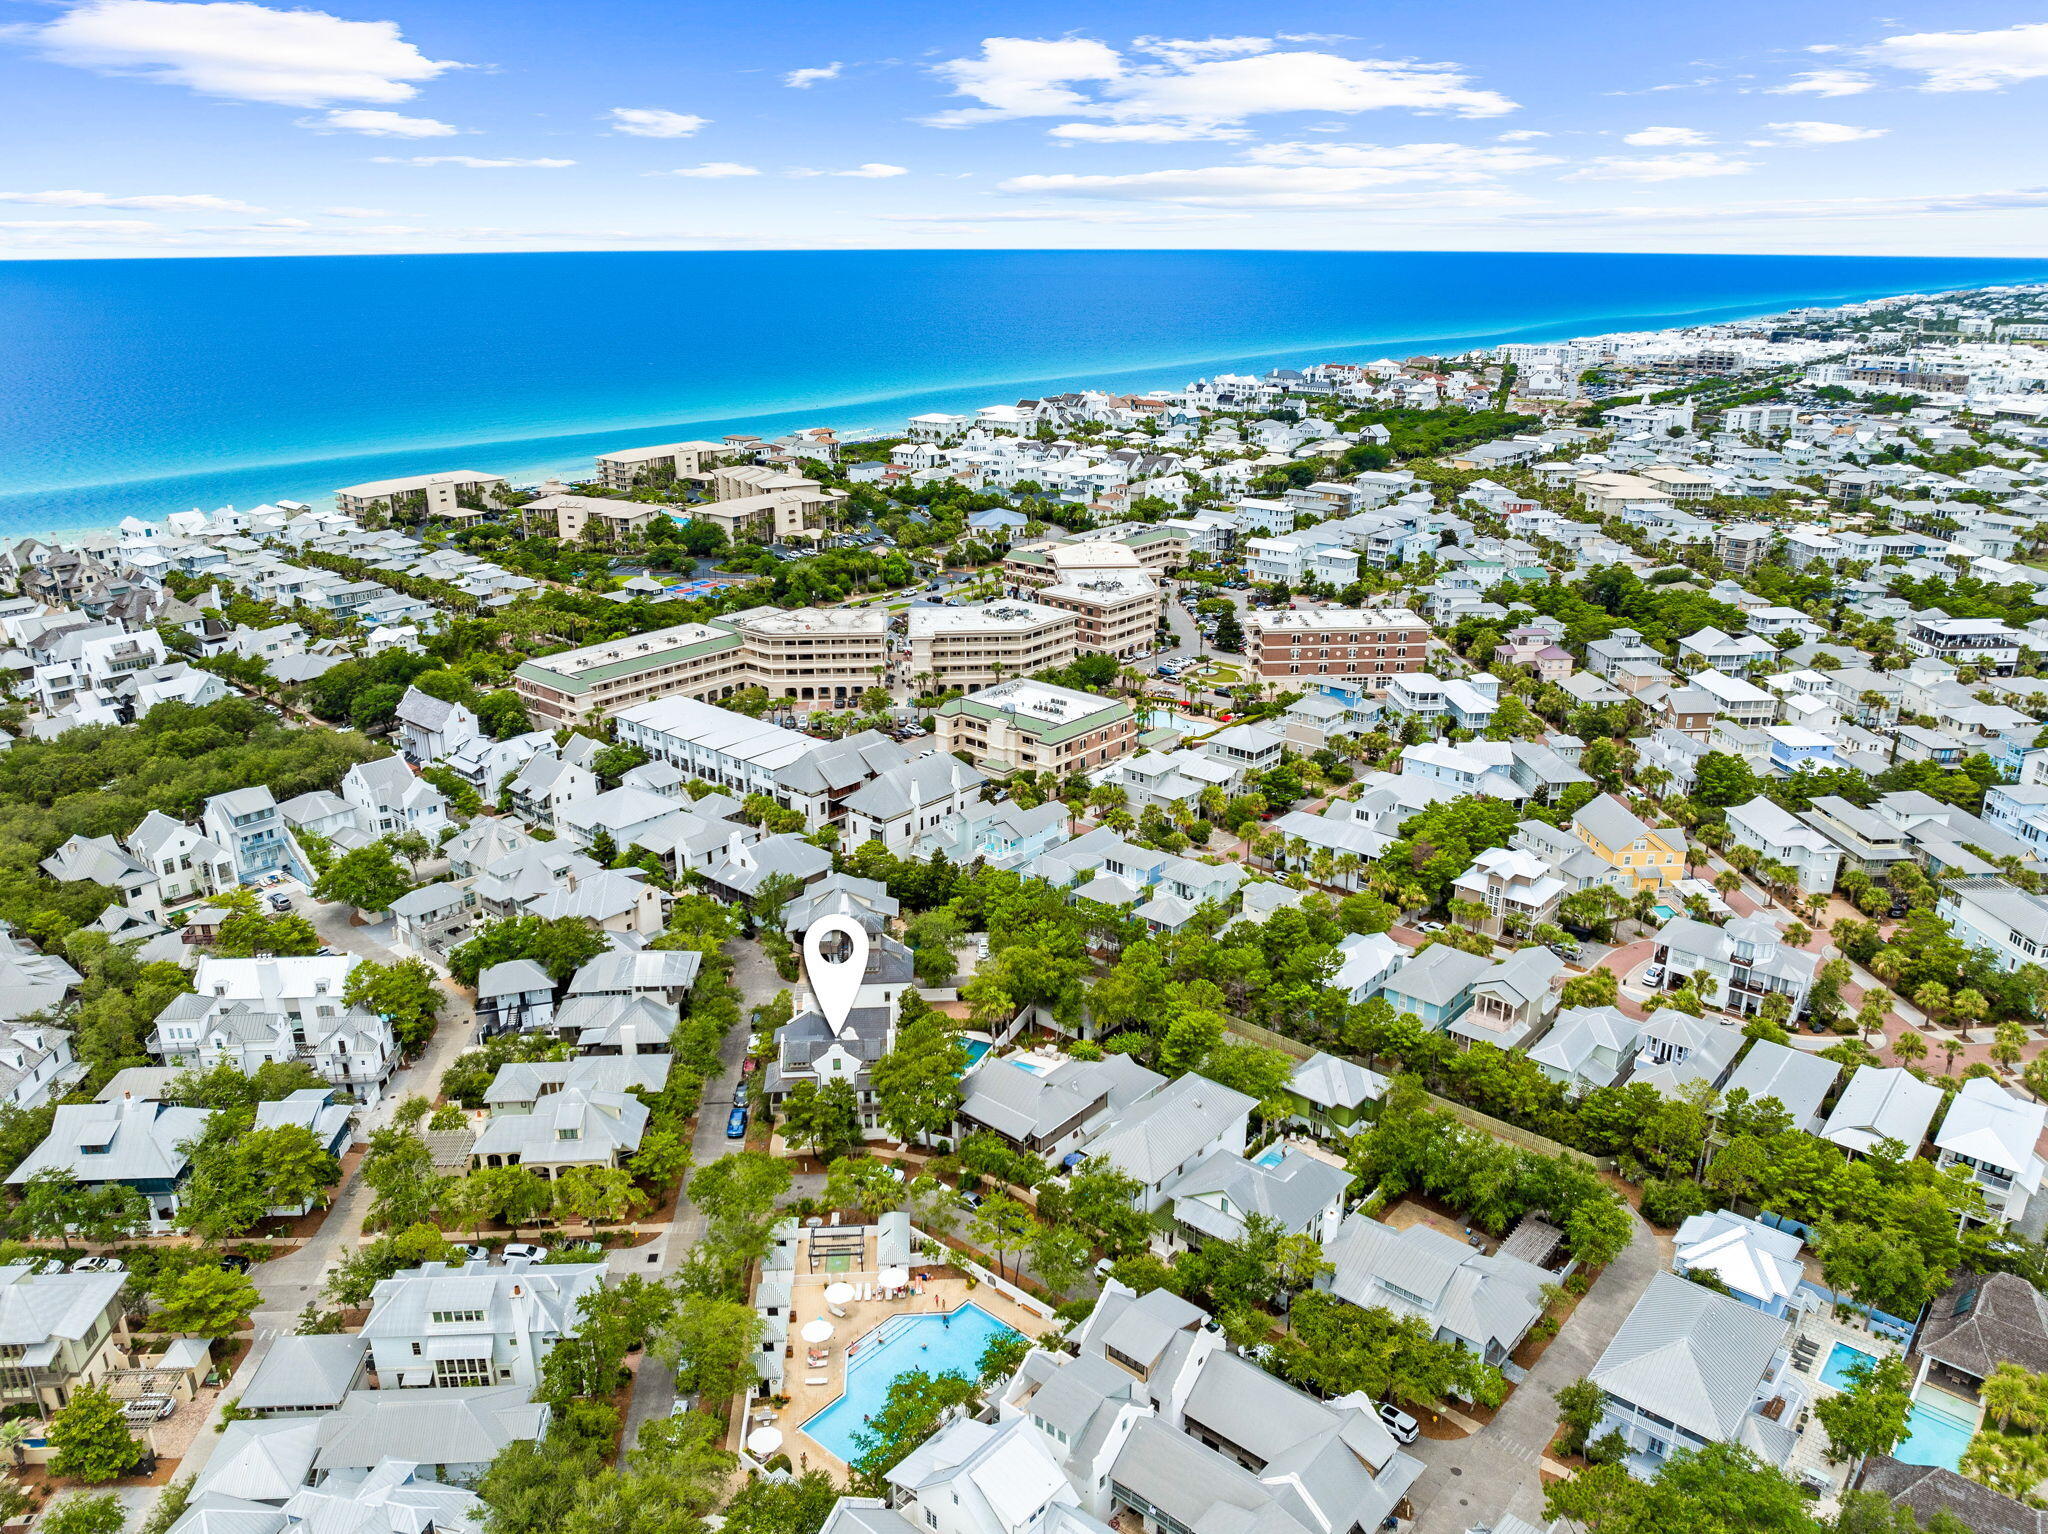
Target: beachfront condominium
(1117, 611)
(1365, 647)
(808, 658)
(1035, 725)
(972, 647)
(657, 468)
(587, 518)
(453, 495)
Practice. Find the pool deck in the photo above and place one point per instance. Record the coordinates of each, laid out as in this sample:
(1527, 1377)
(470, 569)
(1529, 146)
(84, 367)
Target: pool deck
(946, 1290)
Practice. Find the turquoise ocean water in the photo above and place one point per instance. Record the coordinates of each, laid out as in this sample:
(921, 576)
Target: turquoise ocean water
(154, 386)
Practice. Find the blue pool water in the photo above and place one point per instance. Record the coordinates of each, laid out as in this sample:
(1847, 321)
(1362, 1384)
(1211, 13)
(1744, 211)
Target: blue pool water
(1272, 1155)
(1934, 1437)
(1840, 1360)
(976, 1048)
(951, 1343)
(153, 386)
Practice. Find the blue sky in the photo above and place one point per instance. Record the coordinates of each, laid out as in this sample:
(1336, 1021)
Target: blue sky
(162, 127)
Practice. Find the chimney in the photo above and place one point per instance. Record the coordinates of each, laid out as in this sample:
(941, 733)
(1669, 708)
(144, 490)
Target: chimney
(629, 1041)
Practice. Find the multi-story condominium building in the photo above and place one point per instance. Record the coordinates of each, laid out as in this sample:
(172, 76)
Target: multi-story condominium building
(823, 655)
(1116, 611)
(1783, 838)
(583, 518)
(450, 495)
(1034, 724)
(1368, 646)
(63, 1330)
(971, 647)
(697, 660)
(1983, 642)
(1741, 546)
(1760, 420)
(633, 467)
(1866, 840)
(1997, 918)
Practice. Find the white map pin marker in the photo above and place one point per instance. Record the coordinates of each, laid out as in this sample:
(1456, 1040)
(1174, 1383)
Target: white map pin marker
(835, 963)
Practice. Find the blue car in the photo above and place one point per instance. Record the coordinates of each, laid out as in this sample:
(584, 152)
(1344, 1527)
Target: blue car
(736, 1124)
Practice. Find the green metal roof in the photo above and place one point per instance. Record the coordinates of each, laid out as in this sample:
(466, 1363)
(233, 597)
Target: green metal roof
(630, 666)
(1050, 732)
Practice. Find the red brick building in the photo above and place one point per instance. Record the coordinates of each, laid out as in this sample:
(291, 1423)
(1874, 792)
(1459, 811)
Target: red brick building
(1330, 644)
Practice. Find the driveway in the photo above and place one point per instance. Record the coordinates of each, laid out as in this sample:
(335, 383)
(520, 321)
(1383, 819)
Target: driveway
(1477, 1480)
(654, 1388)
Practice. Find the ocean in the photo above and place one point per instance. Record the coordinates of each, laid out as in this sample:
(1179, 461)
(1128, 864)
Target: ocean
(152, 386)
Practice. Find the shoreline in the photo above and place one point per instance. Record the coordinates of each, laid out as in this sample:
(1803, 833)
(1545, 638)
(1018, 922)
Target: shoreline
(29, 513)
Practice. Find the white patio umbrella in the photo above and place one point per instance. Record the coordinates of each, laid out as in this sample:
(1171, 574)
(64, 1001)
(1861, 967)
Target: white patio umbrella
(819, 1330)
(764, 1441)
(895, 1278)
(837, 1295)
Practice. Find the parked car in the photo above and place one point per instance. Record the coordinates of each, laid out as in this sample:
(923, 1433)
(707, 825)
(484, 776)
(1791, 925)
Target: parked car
(280, 902)
(527, 1250)
(474, 1253)
(970, 1200)
(736, 1124)
(739, 1095)
(1654, 975)
(1404, 1427)
(148, 1409)
(99, 1265)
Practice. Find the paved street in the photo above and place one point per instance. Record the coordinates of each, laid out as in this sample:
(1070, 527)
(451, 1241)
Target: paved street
(754, 975)
(291, 1282)
(1473, 1481)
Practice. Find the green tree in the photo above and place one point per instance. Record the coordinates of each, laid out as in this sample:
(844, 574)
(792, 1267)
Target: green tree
(1870, 1416)
(206, 1302)
(1060, 1254)
(912, 1411)
(399, 1170)
(917, 1083)
(1720, 1489)
(367, 878)
(710, 1344)
(1721, 779)
(663, 1159)
(91, 1439)
(598, 1194)
(1595, 988)
(517, 1195)
(800, 1506)
(54, 1205)
(405, 994)
(80, 1514)
(1001, 1225)
(824, 1119)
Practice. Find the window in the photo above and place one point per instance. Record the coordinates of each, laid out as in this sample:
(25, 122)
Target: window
(462, 1371)
(453, 1317)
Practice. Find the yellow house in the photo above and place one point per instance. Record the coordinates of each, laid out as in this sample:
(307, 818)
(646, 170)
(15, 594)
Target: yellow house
(1652, 858)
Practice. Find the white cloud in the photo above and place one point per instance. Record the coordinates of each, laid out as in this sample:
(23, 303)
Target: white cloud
(248, 52)
(1522, 136)
(1189, 50)
(1968, 61)
(1668, 167)
(1025, 77)
(378, 124)
(804, 79)
(1066, 216)
(1462, 163)
(1664, 138)
(1017, 77)
(1824, 133)
(1261, 186)
(357, 212)
(873, 170)
(711, 170)
(149, 203)
(654, 122)
(1148, 133)
(1825, 82)
(471, 161)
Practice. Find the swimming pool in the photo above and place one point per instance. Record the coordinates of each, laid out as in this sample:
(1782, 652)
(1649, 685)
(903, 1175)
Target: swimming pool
(1934, 1435)
(1272, 1155)
(976, 1048)
(937, 1344)
(1842, 1358)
